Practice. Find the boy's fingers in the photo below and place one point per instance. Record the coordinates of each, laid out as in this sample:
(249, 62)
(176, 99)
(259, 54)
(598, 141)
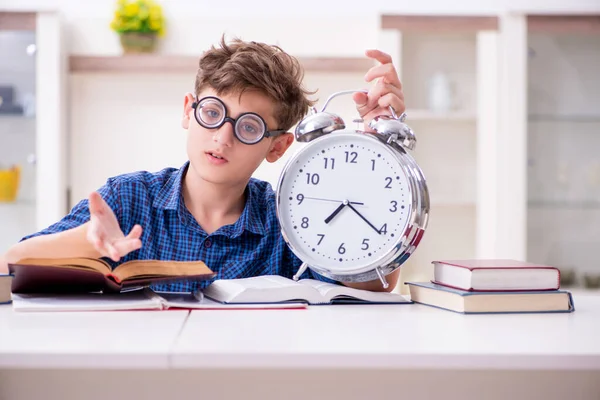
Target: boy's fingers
(393, 100)
(95, 203)
(113, 253)
(126, 246)
(362, 102)
(97, 241)
(379, 55)
(136, 232)
(382, 89)
(385, 71)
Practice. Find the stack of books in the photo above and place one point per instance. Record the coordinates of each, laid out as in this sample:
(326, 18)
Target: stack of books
(493, 286)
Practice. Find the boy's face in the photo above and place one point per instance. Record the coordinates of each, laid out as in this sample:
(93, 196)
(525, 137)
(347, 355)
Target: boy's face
(216, 155)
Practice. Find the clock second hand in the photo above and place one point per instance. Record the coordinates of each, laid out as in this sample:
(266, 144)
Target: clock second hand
(333, 200)
(363, 218)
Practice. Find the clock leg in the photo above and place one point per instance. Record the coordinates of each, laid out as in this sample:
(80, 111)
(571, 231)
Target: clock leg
(300, 271)
(382, 278)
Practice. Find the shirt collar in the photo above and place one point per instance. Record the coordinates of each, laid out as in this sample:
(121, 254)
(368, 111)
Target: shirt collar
(169, 196)
(252, 218)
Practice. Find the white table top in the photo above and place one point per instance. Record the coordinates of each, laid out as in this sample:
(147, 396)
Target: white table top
(120, 339)
(391, 336)
(386, 336)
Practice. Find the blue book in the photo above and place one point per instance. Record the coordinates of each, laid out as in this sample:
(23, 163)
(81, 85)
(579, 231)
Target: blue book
(469, 302)
(5, 283)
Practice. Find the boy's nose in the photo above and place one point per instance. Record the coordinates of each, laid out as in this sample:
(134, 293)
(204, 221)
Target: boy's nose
(225, 135)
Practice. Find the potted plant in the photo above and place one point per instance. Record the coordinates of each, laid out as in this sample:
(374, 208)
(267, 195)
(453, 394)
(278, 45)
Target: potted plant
(138, 23)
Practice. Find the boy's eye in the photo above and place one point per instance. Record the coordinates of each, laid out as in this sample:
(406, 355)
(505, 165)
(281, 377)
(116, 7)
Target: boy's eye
(210, 114)
(250, 128)
(213, 113)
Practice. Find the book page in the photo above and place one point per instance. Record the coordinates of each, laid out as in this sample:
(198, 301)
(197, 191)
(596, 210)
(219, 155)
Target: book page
(338, 292)
(261, 289)
(157, 268)
(327, 290)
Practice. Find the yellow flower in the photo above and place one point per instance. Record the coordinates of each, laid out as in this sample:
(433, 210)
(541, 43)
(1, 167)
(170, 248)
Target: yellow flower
(131, 9)
(137, 16)
(155, 25)
(155, 11)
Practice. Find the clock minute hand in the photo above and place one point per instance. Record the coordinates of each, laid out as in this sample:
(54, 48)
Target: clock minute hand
(363, 218)
(336, 211)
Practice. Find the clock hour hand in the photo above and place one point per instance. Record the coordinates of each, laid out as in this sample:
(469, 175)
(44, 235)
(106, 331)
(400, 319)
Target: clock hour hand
(363, 218)
(336, 211)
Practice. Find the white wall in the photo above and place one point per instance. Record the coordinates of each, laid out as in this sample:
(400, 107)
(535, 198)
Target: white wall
(313, 7)
(302, 28)
(148, 133)
(299, 26)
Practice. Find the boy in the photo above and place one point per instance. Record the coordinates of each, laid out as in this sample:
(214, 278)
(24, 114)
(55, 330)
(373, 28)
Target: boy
(247, 96)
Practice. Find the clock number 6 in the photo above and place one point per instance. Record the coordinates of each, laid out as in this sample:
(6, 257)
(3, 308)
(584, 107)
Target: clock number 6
(341, 249)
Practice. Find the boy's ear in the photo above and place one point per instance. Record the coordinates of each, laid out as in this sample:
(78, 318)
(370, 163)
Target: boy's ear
(279, 146)
(187, 110)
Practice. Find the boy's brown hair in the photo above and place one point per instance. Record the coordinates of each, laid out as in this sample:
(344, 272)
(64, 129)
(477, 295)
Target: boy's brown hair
(238, 66)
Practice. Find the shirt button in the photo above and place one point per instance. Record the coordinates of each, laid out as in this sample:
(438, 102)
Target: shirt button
(207, 243)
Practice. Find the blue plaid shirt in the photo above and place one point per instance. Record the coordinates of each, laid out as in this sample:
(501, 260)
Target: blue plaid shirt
(252, 246)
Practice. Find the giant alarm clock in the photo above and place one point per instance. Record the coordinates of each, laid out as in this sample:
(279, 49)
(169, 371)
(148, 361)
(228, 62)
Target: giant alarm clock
(353, 205)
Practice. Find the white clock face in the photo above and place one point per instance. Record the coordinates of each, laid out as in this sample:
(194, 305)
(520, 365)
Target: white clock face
(344, 202)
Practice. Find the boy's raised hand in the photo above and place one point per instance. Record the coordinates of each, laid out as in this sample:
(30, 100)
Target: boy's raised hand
(386, 92)
(105, 234)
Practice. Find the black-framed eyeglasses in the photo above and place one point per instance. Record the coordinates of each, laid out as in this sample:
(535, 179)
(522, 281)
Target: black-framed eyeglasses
(249, 128)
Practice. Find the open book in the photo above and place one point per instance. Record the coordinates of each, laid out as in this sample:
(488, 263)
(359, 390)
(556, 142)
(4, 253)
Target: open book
(276, 289)
(71, 275)
(136, 299)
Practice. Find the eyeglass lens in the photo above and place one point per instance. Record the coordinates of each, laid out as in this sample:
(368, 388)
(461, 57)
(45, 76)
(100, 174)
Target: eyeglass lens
(249, 128)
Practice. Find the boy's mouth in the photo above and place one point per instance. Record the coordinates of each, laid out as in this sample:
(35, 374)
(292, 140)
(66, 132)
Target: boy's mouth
(216, 156)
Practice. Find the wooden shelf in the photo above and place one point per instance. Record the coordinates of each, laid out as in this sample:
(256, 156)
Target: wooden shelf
(564, 24)
(17, 21)
(565, 205)
(590, 118)
(159, 63)
(439, 24)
